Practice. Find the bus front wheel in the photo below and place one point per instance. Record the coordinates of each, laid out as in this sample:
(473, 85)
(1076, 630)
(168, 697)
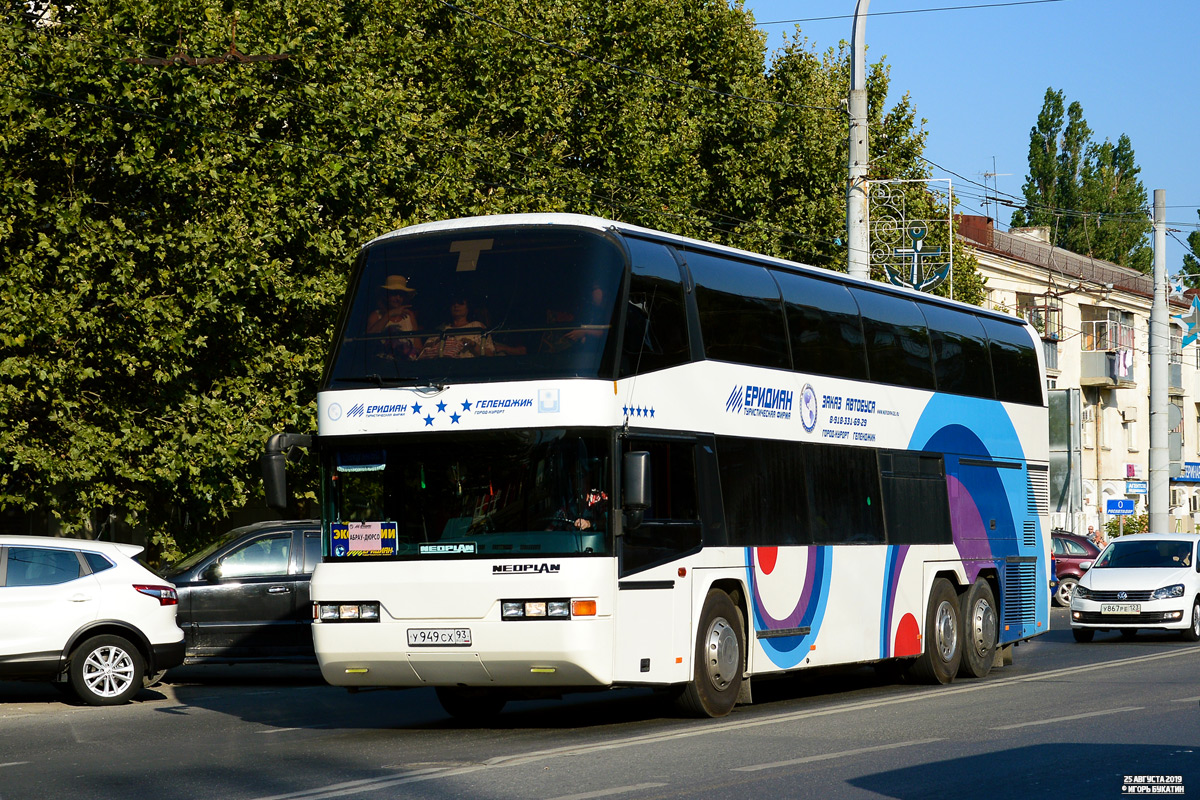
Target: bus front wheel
(720, 659)
(943, 642)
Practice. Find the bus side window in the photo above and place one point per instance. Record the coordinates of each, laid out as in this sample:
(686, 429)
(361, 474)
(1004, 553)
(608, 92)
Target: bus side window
(824, 327)
(671, 524)
(916, 503)
(897, 340)
(763, 506)
(741, 315)
(960, 352)
(655, 317)
(1014, 363)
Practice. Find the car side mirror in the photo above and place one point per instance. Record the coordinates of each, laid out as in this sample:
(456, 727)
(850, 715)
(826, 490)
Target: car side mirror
(1085, 565)
(212, 573)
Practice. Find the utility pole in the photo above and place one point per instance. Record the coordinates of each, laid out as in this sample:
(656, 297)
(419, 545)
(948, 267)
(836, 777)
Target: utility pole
(857, 220)
(1160, 348)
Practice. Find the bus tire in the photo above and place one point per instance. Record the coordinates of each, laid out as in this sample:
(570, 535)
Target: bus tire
(943, 639)
(981, 630)
(470, 704)
(720, 660)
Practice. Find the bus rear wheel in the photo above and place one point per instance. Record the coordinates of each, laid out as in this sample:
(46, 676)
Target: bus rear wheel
(471, 704)
(720, 660)
(943, 642)
(980, 630)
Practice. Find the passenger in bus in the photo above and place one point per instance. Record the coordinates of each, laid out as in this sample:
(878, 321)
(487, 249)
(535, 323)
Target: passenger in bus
(461, 337)
(590, 323)
(396, 318)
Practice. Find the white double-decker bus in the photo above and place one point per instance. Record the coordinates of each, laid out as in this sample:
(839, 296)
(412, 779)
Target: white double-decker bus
(561, 453)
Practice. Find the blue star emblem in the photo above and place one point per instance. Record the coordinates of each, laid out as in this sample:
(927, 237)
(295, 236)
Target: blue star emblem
(454, 418)
(428, 421)
(466, 405)
(416, 408)
(441, 406)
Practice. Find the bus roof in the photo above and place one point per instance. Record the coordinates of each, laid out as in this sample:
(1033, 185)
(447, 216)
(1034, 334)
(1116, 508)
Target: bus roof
(600, 224)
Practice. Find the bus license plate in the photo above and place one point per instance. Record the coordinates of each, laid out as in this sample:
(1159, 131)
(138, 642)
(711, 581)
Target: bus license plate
(1120, 608)
(439, 637)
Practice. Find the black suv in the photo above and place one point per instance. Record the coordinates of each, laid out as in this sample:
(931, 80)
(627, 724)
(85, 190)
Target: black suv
(245, 597)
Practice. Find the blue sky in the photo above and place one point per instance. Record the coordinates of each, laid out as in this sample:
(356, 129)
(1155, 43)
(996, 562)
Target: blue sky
(979, 76)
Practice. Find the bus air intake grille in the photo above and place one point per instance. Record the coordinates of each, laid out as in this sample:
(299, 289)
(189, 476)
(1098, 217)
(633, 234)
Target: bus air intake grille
(1029, 533)
(1020, 594)
(1038, 488)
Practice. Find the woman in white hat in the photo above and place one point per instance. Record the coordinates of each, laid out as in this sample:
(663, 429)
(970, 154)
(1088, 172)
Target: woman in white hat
(397, 317)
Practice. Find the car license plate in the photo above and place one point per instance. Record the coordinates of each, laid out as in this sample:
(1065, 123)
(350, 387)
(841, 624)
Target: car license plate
(439, 637)
(1120, 608)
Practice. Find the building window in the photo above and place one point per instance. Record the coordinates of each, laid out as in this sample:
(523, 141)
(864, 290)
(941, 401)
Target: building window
(1131, 440)
(1044, 313)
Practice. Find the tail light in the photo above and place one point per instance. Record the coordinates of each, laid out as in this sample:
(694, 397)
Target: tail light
(165, 595)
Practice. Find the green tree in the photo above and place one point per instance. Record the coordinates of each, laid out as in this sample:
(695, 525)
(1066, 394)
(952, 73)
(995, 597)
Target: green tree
(1191, 259)
(176, 239)
(1087, 193)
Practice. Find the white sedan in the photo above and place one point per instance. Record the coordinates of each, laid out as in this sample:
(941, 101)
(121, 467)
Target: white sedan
(1147, 580)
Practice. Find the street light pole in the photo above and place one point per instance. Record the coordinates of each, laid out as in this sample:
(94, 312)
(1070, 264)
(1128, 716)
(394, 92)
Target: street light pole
(1160, 348)
(857, 212)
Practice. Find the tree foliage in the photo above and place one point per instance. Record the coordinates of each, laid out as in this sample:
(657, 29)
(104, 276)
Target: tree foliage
(176, 239)
(1087, 193)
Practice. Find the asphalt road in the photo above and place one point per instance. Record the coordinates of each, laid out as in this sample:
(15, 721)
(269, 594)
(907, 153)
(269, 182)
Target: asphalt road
(1106, 719)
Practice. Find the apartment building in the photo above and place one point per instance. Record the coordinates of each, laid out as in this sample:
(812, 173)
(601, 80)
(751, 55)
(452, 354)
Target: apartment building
(1094, 317)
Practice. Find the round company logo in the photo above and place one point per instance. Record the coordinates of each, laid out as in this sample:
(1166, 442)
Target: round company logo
(808, 408)
(334, 411)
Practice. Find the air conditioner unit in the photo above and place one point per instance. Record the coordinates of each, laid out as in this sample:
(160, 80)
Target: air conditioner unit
(1129, 414)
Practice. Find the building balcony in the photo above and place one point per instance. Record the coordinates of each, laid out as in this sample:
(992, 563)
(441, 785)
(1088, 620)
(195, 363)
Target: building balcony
(1112, 370)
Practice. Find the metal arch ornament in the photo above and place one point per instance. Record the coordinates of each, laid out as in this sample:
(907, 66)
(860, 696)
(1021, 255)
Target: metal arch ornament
(913, 266)
(1192, 320)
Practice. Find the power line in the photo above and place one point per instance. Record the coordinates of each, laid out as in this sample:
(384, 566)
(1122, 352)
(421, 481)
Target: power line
(910, 11)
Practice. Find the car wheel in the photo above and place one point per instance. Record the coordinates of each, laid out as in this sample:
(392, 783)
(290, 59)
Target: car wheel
(106, 671)
(1083, 634)
(153, 679)
(1192, 634)
(1064, 592)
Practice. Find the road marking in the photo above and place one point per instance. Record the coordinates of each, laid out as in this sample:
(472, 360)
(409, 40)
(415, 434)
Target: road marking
(1186, 700)
(609, 792)
(827, 756)
(278, 730)
(709, 728)
(1056, 720)
(14, 764)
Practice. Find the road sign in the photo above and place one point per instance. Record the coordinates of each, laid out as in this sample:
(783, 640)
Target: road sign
(1137, 487)
(1119, 508)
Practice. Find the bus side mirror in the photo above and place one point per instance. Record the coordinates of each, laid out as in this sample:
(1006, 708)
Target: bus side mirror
(635, 486)
(274, 467)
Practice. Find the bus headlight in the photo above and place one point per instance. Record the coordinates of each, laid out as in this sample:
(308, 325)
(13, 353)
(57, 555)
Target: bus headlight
(546, 609)
(346, 612)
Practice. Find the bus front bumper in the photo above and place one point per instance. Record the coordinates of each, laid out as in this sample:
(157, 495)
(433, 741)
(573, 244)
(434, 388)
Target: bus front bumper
(575, 652)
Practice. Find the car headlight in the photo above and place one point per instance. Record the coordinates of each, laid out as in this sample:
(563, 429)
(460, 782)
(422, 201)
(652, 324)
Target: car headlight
(1082, 591)
(346, 612)
(1167, 592)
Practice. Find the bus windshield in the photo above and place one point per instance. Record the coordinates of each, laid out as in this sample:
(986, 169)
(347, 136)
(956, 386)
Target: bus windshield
(508, 493)
(480, 305)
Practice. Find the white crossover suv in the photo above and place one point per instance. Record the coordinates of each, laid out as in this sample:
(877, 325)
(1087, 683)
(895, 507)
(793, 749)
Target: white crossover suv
(84, 615)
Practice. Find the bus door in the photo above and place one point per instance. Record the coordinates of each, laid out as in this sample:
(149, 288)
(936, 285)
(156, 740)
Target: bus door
(653, 615)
